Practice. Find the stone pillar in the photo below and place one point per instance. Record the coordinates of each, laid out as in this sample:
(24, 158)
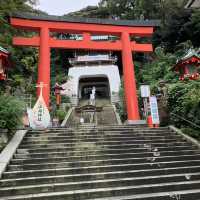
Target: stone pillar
(129, 79)
(44, 64)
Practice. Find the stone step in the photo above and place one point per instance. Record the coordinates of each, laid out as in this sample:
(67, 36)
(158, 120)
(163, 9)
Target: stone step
(100, 175)
(176, 195)
(98, 128)
(64, 169)
(113, 191)
(101, 141)
(64, 164)
(86, 157)
(104, 161)
(143, 148)
(105, 134)
(99, 183)
(99, 137)
(114, 128)
(92, 155)
(92, 146)
(102, 129)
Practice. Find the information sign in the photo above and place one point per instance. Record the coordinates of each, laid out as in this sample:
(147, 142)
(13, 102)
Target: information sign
(154, 110)
(145, 91)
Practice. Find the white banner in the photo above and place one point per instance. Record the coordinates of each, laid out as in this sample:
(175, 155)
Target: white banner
(154, 110)
(39, 117)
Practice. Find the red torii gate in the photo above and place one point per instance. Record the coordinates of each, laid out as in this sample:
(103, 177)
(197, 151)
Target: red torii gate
(87, 27)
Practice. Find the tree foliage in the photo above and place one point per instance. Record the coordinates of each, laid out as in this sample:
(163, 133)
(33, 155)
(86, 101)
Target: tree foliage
(184, 100)
(22, 75)
(11, 110)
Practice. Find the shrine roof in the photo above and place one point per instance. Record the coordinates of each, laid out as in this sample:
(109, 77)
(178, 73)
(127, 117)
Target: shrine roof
(138, 23)
(190, 56)
(191, 53)
(3, 50)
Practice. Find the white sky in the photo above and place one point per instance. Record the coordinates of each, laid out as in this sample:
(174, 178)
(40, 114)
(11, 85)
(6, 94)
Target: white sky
(60, 7)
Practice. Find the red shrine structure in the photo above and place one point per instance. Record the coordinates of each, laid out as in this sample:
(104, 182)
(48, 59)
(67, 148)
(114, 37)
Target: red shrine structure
(188, 66)
(124, 29)
(57, 90)
(4, 63)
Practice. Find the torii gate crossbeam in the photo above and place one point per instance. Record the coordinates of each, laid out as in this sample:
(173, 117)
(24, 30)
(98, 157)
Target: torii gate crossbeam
(123, 29)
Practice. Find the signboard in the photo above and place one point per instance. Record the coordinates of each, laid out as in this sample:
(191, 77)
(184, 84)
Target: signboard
(39, 117)
(145, 91)
(154, 110)
(93, 58)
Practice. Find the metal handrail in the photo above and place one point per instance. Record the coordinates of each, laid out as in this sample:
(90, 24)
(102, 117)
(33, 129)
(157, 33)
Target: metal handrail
(188, 121)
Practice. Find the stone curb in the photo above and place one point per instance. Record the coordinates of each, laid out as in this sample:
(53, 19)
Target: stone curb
(119, 122)
(8, 152)
(187, 137)
(67, 117)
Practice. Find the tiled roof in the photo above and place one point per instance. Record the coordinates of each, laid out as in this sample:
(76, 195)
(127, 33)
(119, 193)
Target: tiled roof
(142, 23)
(3, 50)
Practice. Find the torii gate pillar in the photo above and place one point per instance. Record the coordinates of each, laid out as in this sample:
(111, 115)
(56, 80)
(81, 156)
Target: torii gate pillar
(44, 64)
(129, 79)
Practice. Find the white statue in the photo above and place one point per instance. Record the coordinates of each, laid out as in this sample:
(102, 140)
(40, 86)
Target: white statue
(92, 96)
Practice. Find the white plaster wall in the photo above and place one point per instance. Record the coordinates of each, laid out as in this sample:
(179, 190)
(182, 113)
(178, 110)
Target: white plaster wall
(76, 73)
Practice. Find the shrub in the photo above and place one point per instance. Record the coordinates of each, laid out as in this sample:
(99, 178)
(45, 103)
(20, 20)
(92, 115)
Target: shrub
(61, 114)
(11, 111)
(184, 101)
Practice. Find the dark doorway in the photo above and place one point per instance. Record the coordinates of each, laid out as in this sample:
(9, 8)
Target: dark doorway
(101, 85)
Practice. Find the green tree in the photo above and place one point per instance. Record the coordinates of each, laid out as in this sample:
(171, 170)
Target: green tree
(22, 74)
(11, 110)
(160, 68)
(184, 101)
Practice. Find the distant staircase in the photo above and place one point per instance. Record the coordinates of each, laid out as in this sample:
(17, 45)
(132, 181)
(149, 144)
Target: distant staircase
(106, 116)
(103, 163)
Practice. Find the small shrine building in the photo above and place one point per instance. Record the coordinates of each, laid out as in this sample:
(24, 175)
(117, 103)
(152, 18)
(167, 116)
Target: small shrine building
(188, 66)
(4, 63)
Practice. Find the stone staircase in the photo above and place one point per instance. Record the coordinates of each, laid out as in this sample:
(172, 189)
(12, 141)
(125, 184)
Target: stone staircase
(107, 116)
(103, 163)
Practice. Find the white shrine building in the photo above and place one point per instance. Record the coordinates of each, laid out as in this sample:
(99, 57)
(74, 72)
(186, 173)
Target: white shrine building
(93, 70)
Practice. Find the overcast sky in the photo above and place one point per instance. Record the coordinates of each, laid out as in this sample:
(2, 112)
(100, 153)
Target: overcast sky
(60, 7)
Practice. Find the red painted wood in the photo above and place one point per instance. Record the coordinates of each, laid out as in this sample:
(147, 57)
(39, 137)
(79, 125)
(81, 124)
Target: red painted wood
(44, 64)
(66, 27)
(87, 37)
(22, 41)
(85, 44)
(129, 79)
